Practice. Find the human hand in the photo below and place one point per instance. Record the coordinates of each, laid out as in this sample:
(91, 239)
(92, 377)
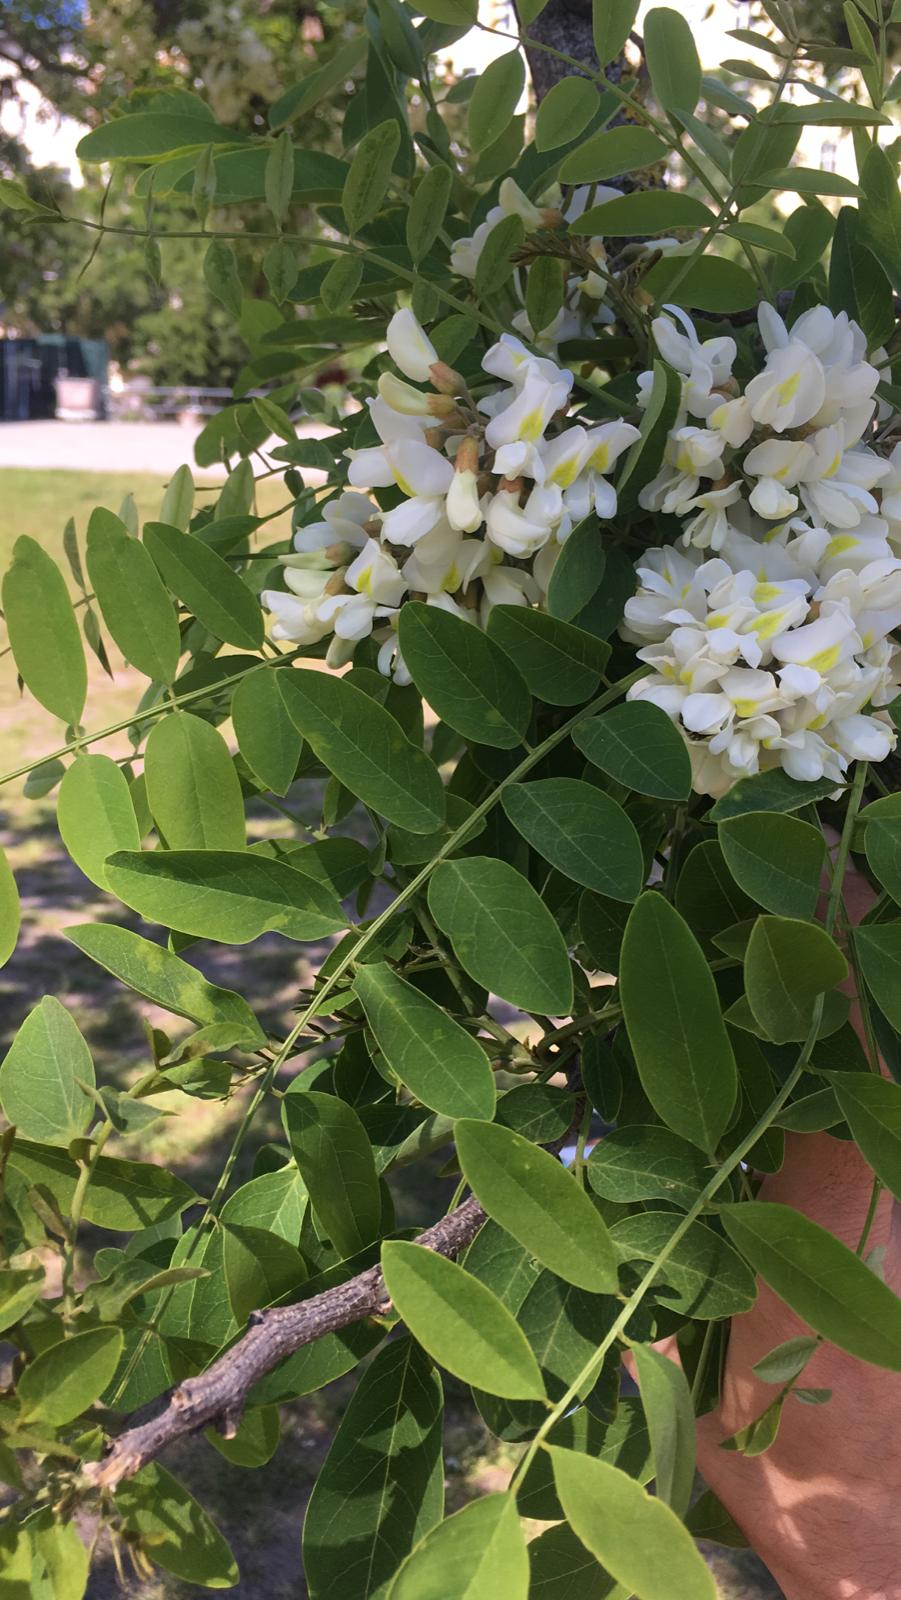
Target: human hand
(821, 1505)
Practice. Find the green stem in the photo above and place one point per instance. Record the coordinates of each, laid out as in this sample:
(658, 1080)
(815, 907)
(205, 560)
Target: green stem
(86, 1172)
(594, 1363)
(579, 1161)
(870, 1217)
(701, 1368)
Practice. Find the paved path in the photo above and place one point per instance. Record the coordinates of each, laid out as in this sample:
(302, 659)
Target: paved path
(157, 447)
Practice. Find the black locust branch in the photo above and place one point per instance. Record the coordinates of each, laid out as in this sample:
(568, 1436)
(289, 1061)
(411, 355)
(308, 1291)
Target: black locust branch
(217, 1396)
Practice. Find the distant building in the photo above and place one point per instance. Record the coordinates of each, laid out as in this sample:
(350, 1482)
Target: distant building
(32, 371)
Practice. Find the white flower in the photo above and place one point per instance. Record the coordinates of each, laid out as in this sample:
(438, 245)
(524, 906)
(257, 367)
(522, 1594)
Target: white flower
(705, 366)
(528, 413)
(690, 452)
(514, 203)
(343, 519)
(732, 419)
(790, 389)
(420, 472)
(835, 485)
(512, 361)
(410, 347)
(709, 529)
(890, 507)
(296, 614)
(463, 507)
(522, 530)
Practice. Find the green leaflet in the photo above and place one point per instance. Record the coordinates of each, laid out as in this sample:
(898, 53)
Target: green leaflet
(495, 99)
(43, 632)
(181, 1536)
(675, 1026)
(381, 1488)
(228, 895)
(150, 133)
(672, 59)
(132, 597)
(365, 748)
(565, 110)
(502, 933)
(477, 1554)
(122, 1195)
(178, 499)
(531, 1194)
(427, 209)
(577, 573)
(462, 1325)
(40, 1076)
(327, 1137)
(637, 744)
(369, 175)
(769, 791)
(639, 1540)
(192, 787)
(610, 153)
(259, 1267)
(275, 1201)
(821, 1279)
(95, 814)
(562, 665)
(777, 860)
(267, 738)
(9, 910)
(612, 21)
(206, 584)
(69, 1376)
(703, 1276)
(879, 952)
(439, 1061)
(581, 832)
(160, 976)
(667, 1403)
(468, 680)
(647, 1163)
(644, 212)
(787, 965)
(871, 1106)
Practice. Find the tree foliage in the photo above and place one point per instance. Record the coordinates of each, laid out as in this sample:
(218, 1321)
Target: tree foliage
(543, 889)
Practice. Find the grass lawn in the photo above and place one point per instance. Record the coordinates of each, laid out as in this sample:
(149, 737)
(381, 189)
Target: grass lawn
(39, 504)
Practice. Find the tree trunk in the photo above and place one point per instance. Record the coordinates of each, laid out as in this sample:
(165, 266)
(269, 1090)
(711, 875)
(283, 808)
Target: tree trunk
(565, 25)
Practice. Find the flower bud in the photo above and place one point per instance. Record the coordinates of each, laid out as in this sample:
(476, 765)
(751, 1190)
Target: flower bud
(463, 510)
(445, 379)
(409, 346)
(402, 396)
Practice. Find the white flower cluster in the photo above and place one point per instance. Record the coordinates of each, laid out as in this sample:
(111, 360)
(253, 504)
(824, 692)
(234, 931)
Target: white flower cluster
(586, 294)
(490, 490)
(768, 653)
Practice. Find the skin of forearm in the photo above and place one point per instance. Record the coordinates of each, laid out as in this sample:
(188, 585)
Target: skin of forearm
(821, 1506)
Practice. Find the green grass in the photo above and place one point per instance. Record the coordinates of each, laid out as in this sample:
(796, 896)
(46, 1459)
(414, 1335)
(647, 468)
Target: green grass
(40, 504)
